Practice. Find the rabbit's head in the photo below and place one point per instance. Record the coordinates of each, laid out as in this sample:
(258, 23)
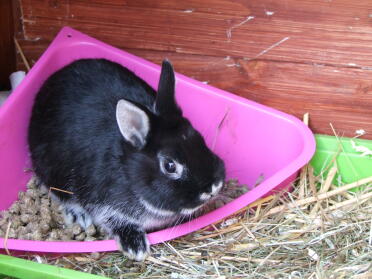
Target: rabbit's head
(175, 171)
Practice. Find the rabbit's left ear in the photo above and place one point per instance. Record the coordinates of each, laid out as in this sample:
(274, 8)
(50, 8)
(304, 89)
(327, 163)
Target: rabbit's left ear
(165, 104)
(133, 123)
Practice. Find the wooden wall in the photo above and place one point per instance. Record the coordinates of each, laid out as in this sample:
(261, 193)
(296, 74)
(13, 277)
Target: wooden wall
(297, 56)
(7, 50)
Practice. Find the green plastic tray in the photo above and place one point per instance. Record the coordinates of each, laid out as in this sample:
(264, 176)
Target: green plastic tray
(12, 267)
(352, 166)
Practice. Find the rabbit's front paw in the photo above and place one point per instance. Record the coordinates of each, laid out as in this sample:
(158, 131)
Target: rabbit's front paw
(133, 242)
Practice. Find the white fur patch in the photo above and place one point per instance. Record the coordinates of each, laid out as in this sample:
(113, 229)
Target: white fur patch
(189, 211)
(205, 196)
(214, 191)
(83, 218)
(156, 211)
(216, 188)
(140, 256)
(151, 223)
(101, 214)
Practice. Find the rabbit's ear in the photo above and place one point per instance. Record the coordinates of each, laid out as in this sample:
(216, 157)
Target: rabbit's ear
(133, 122)
(165, 104)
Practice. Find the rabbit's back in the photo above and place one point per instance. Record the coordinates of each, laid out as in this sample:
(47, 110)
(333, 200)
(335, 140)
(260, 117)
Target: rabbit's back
(86, 93)
(73, 120)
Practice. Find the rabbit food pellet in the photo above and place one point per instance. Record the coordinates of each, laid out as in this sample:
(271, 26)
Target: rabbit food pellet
(35, 216)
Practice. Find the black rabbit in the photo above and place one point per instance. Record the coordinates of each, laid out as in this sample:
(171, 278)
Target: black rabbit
(132, 161)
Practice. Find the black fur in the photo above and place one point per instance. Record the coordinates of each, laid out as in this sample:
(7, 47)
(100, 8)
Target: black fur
(76, 145)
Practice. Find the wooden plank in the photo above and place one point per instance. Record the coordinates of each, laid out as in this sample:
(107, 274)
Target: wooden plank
(297, 56)
(7, 54)
(336, 32)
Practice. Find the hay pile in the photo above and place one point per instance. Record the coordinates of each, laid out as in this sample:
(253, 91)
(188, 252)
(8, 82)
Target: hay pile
(317, 231)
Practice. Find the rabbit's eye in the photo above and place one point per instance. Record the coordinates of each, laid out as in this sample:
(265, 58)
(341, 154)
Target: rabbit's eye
(170, 166)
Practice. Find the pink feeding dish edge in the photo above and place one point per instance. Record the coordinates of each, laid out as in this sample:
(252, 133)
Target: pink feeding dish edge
(253, 140)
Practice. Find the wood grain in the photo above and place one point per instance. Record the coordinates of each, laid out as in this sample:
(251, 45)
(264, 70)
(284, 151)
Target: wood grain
(7, 50)
(296, 56)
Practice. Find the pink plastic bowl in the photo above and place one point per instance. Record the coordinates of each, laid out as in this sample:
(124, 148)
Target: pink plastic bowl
(253, 140)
